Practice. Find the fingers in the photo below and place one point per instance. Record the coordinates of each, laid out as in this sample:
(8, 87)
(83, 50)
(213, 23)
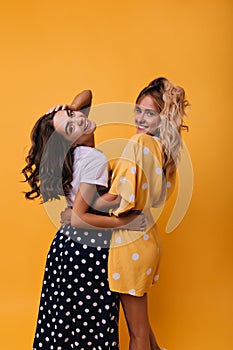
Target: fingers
(56, 108)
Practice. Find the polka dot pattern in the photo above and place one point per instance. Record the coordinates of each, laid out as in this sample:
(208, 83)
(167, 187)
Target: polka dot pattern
(77, 310)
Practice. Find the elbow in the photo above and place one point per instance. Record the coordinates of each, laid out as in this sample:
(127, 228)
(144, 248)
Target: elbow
(89, 92)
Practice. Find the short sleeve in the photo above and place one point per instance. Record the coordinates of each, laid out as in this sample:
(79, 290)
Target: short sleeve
(94, 168)
(138, 174)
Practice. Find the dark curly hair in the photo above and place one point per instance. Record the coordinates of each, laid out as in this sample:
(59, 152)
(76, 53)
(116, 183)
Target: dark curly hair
(49, 162)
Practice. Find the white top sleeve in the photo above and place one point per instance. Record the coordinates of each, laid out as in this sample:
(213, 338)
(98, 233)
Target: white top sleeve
(94, 168)
(90, 166)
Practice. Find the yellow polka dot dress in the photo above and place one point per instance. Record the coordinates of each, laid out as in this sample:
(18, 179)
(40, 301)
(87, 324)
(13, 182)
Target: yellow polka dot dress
(139, 178)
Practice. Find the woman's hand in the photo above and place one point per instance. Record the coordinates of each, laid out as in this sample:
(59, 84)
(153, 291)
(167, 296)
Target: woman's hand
(66, 216)
(60, 108)
(137, 222)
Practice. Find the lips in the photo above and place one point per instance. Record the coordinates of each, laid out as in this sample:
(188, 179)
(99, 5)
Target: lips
(142, 127)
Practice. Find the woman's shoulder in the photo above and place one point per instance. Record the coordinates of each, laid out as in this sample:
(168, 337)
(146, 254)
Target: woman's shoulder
(96, 153)
(85, 152)
(145, 139)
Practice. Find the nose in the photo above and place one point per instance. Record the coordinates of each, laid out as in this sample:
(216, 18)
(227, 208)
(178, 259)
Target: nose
(79, 118)
(140, 117)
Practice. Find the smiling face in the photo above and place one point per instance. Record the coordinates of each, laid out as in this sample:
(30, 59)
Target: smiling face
(74, 126)
(146, 116)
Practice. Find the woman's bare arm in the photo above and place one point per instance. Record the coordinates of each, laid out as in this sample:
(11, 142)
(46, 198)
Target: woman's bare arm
(106, 201)
(80, 217)
(82, 101)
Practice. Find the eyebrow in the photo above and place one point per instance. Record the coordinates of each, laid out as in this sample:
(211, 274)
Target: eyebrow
(147, 109)
(68, 123)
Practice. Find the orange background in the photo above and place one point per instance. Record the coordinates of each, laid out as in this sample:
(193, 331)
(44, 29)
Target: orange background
(50, 50)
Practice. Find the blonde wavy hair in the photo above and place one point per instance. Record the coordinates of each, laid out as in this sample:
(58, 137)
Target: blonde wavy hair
(171, 103)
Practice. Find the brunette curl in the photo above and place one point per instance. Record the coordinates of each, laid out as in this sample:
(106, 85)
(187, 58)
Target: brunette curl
(49, 162)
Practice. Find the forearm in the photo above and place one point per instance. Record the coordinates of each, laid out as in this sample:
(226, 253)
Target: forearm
(93, 221)
(82, 101)
(105, 202)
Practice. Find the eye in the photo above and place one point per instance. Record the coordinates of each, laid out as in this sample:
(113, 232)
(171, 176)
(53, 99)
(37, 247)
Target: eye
(70, 129)
(137, 110)
(71, 114)
(151, 114)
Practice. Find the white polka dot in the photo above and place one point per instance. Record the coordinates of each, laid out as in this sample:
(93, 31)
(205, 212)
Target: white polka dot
(118, 240)
(123, 179)
(158, 171)
(132, 291)
(133, 170)
(85, 233)
(146, 150)
(156, 278)
(131, 197)
(77, 252)
(135, 256)
(83, 261)
(92, 240)
(84, 246)
(99, 234)
(116, 276)
(169, 184)
(148, 272)
(146, 237)
(144, 186)
(91, 255)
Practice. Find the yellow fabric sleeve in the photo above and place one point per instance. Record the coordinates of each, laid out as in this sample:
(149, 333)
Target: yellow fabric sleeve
(138, 175)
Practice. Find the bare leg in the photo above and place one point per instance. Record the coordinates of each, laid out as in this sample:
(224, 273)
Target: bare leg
(153, 341)
(135, 310)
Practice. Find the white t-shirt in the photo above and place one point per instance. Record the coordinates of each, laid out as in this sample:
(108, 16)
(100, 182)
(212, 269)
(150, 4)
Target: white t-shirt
(90, 166)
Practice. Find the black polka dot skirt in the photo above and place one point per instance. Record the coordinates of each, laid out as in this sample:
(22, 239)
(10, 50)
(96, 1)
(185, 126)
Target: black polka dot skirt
(77, 310)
